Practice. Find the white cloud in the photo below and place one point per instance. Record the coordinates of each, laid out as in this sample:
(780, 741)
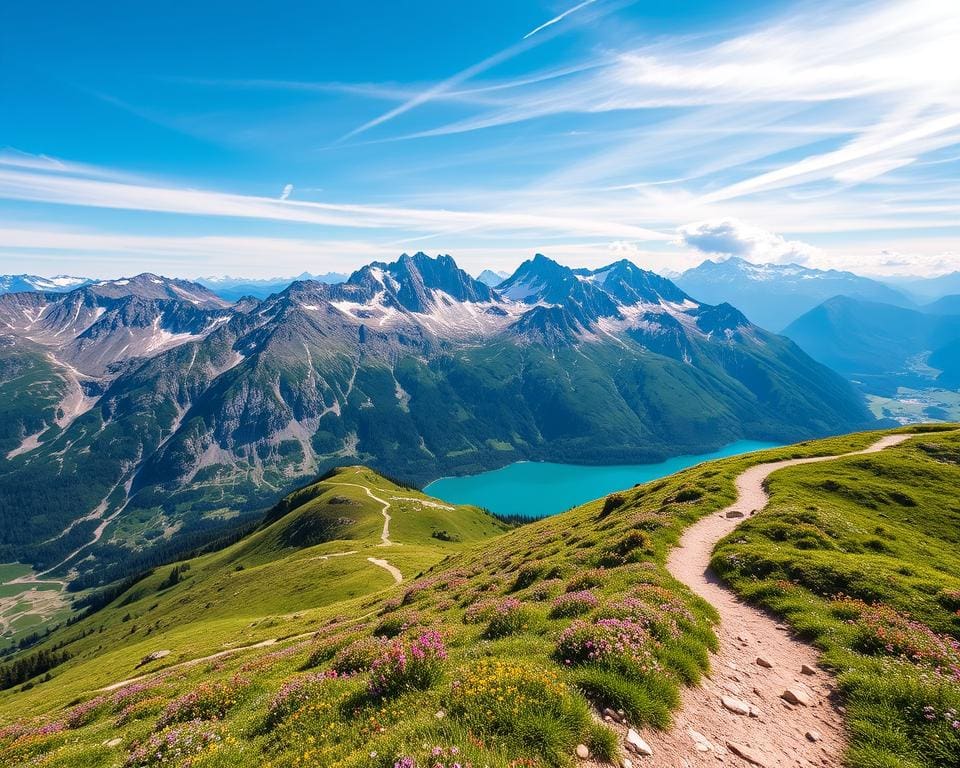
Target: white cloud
(287, 191)
(730, 237)
(81, 190)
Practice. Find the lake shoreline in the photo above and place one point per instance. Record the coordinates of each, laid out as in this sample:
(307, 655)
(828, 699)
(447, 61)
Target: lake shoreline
(532, 489)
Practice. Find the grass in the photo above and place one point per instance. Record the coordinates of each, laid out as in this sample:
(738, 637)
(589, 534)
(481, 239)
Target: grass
(860, 555)
(512, 683)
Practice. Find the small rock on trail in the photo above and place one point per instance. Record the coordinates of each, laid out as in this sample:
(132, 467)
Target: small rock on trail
(638, 744)
(737, 706)
(796, 695)
(746, 753)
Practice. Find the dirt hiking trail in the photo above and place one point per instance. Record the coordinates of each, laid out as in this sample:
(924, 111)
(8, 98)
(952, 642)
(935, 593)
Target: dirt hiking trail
(740, 715)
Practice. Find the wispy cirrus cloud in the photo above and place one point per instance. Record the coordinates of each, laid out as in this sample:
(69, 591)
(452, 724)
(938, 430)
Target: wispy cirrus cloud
(93, 189)
(558, 18)
(445, 87)
(890, 70)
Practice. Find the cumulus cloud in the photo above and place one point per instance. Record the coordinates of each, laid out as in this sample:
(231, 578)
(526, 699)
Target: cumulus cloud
(287, 191)
(907, 264)
(731, 237)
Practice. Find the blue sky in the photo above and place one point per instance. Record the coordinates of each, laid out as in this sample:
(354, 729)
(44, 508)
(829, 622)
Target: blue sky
(271, 138)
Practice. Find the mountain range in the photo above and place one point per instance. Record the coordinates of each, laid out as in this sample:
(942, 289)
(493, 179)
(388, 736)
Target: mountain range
(155, 405)
(927, 289)
(774, 295)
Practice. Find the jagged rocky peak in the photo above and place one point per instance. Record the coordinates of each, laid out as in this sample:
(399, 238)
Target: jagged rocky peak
(150, 286)
(539, 279)
(413, 282)
(629, 284)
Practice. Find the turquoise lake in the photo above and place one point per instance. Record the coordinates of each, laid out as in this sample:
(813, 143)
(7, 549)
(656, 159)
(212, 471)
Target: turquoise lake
(536, 489)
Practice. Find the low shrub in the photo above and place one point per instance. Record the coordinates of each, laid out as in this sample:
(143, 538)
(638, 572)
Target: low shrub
(573, 604)
(618, 643)
(646, 701)
(395, 624)
(882, 630)
(480, 611)
(612, 503)
(628, 548)
(87, 712)
(661, 623)
(208, 701)
(509, 617)
(527, 574)
(358, 656)
(587, 579)
(545, 590)
(402, 666)
(603, 743)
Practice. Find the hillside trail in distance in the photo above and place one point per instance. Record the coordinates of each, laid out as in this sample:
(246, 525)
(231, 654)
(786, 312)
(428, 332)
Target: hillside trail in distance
(769, 731)
(379, 562)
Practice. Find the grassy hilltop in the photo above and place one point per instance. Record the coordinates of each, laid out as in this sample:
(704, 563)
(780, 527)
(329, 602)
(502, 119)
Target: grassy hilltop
(292, 648)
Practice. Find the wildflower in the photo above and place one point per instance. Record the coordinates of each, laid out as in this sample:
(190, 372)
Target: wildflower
(608, 641)
(408, 666)
(574, 604)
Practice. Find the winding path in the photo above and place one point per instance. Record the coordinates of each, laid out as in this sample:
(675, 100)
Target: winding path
(391, 569)
(385, 536)
(774, 734)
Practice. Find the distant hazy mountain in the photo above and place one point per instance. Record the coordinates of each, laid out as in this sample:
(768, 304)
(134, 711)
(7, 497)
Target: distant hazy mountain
(926, 289)
(773, 295)
(177, 413)
(492, 278)
(881, 345)
(56, 284)
(947, 305)
(234, 288)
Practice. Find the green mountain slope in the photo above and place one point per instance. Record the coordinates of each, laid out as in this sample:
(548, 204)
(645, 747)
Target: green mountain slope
(31, 391)
(463, 412)
(505, 609)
